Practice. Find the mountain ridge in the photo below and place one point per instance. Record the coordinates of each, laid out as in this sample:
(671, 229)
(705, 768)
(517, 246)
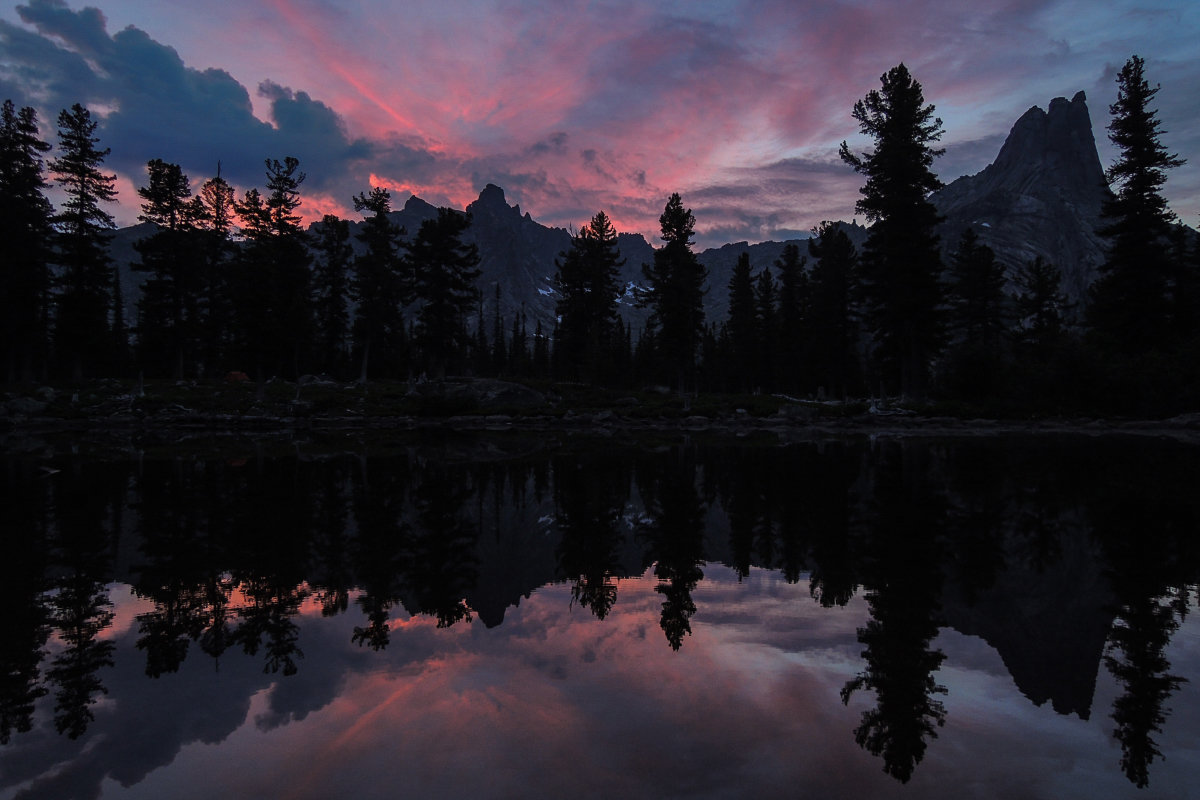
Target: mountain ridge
(1041, 196)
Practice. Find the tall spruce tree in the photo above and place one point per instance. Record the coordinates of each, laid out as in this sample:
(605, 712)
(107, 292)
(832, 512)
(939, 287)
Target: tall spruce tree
(169, 326)
(586, 279)
(832, 320)
(741, 328)
(901, 266)
(444, 273)
(676, 295)
(1041, 308)
(977, 318)
(82, 329)
(793, 301)
(25, 231)
(1131, 303)
(766, 331)
(217, 322)
(331, 276)
(272, 282)
(379, 286)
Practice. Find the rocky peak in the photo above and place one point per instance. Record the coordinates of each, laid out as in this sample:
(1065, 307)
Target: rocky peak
(1053, 146)
(492, 204)
(1041, 197)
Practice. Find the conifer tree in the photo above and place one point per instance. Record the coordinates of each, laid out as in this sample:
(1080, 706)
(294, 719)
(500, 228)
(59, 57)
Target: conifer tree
(977, 293)
(1131, 303)
(832, 319)
(676, 295)
(901, 265)
(25, 230)
(379, 285)
(977, 318)
(272, 282)
(1041, 308)
(444, 272)
(793, 299)
(586, 279)
(766, 331)
(741, 329)
(83, 230)
(331, 275)
(216, 198)
(168, 312)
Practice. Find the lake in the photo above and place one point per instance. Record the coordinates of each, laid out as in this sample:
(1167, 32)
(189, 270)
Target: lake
(517, 615)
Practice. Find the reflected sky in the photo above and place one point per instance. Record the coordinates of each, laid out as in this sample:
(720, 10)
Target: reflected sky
(556, 703)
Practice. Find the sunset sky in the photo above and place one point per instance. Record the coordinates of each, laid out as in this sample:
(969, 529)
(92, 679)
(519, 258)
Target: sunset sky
(577, 107)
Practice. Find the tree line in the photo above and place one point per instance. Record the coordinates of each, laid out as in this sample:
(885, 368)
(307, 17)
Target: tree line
(235, 283)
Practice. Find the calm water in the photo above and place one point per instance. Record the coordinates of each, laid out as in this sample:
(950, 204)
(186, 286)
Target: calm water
(509, 617)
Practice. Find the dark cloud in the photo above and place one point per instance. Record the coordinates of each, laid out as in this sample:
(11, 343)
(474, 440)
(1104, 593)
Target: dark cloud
(151, 105)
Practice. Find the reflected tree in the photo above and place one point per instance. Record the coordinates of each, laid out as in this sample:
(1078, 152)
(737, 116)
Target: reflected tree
(24, 625)
(80, 608)
(379, 495)
(589, 494)
(442, 565)
(903, 597)
(673, 537)
(1135, 657)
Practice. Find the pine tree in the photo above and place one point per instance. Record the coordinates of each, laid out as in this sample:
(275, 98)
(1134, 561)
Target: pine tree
(832, 318)
(379, 285)
(766, 331)
(586, 279)
(793, 299)
(82, 329)
(676, 295)
(331, 274)
(444, 272)
(272, 282)
(217, 322)
(741, 329)
(901, 265)
(1131, 303)
(1041, 308)
(169, 327)
(977, 318)
(977, 311)
(25, 230)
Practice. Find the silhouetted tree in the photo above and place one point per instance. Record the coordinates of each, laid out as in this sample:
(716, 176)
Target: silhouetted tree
(741, 328)
(1131, 303)
(586, 281)
(793, 304)
(901, 265)
(25, 230)
(444, 274)
(272, 283)
(977, 319)
(217, 249)
(379, 285)
(331, 277)
(766, 331)
(1041, 307)
(83, 228)
(832, 324)
(169, 325)
(676, 295)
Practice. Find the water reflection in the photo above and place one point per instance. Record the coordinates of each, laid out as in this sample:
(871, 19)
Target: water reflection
(1062, 555)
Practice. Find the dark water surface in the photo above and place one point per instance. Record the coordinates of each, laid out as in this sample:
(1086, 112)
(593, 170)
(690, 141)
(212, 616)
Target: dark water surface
(507, 617)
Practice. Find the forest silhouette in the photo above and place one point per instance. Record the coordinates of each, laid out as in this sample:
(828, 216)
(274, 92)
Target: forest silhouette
(235, 285)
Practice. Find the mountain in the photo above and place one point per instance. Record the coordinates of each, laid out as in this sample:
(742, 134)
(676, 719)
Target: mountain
(1041, 196)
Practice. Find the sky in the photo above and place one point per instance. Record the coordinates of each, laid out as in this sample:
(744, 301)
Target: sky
(576, 107)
